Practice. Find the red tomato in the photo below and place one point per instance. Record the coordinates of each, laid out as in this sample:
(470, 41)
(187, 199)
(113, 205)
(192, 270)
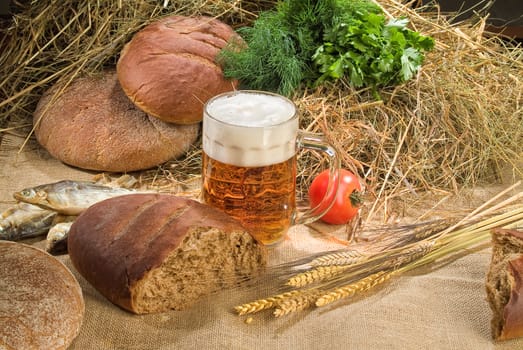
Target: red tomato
(347, 202)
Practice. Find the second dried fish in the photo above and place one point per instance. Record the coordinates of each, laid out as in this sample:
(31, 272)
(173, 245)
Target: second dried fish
(25, 220)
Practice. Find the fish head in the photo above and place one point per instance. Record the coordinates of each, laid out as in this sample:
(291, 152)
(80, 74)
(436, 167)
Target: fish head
(5, 230)
(31, 195)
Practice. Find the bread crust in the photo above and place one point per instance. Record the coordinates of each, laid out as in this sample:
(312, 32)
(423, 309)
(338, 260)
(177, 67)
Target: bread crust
(513, 311)
(168, 68)
(504, 284)
(93, 125)
(41, 302)
(115, 243)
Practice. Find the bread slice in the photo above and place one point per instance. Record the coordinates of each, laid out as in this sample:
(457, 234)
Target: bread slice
(151, 253)
(504, 284)
(41, 302)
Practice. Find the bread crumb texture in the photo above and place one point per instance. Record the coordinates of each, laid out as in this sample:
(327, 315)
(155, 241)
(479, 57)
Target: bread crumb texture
(503, 284)
(207, 260)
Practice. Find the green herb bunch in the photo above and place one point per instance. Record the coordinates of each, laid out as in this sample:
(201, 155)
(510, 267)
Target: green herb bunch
(370, 50)
(310, 41)
(279, 47)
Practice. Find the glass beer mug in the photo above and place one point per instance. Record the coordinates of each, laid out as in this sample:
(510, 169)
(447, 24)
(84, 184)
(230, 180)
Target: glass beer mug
(250, 142)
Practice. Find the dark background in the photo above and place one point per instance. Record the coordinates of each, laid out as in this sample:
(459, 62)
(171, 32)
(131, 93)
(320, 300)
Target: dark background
(504, 15)
(4, 7)
(501, 12)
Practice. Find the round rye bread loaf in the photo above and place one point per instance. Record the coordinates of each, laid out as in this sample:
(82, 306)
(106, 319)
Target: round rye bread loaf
(41, 302)
(151, 253)
(168, 68)
(93, 125)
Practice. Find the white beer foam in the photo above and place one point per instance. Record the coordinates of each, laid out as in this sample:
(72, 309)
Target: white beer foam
(249, 129)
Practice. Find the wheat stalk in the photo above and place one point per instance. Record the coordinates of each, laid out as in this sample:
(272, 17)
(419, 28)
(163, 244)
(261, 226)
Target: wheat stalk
(263, 304)
(299, 302)
(445, 246)
(334, 282)
(410, 254)
(431, 229)
(346, 257)
(317, 274)
(352, 289)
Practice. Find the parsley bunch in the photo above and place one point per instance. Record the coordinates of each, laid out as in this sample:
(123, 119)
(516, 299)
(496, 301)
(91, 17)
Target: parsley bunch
(369, 50)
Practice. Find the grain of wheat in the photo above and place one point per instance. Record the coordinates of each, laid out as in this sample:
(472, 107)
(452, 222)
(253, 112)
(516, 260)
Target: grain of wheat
(349, 257)
(317, 274)
(263, 304)
(299, 302)
(352, 289)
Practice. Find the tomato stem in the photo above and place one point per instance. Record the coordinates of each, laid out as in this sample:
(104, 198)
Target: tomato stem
(356, 198)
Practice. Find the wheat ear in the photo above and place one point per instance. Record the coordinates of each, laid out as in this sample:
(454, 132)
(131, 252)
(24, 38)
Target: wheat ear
(432, 228)
(298, 302)
(352, 289)
(348, 257)
(415, 252)
(263, 304)
(317, 274)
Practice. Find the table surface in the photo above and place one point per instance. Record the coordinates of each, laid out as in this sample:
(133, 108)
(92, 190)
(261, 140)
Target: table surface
(437, 307)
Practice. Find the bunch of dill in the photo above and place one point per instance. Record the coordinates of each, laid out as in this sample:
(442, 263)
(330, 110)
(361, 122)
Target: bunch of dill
(280, 44)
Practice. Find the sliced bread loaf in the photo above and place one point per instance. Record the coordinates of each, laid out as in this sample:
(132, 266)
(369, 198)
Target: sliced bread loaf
(154, 252)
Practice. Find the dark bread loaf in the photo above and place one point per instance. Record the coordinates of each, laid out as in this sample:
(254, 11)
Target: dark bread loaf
(154, 252)
(41, 302)
(93, 125)
(505, 284)
(168, 68)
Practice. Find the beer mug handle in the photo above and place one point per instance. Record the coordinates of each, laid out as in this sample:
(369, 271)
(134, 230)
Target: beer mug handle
(318, 143)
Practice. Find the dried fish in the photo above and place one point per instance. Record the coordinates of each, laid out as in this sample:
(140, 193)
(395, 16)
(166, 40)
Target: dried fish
(69, 197)
(56, 241)
(25, 220)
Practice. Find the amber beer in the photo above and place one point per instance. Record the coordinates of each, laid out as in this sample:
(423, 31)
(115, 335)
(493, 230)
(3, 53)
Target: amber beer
(263, 198)
(249, 160)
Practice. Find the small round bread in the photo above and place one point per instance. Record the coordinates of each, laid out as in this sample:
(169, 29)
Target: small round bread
(151, 253)
(168, 68)
(93, 125)
(41, 302)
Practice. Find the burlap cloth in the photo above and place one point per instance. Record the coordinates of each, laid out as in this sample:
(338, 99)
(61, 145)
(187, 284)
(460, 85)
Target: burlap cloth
(438, 307)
